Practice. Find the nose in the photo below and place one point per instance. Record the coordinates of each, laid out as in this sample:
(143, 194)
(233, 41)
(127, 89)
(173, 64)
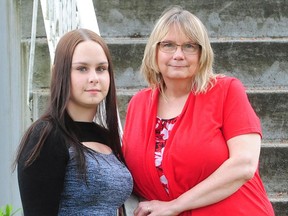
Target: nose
(93, 77)
(178, 54)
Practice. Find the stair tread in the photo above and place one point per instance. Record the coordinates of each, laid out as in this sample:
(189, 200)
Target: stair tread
(282, 196)
(274, 89)
(264, 90)
(272, 144)
(133, 90)
(141, 40)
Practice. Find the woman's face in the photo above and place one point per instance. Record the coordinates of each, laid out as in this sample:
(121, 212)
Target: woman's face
(178, 65)
(90, 77)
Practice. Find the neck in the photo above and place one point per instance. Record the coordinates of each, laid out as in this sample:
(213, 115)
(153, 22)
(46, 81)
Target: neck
(177, 89)
(172, 94)
(171, 103)
(82, 114)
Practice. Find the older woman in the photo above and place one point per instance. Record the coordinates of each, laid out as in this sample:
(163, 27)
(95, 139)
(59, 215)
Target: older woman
(192, 140)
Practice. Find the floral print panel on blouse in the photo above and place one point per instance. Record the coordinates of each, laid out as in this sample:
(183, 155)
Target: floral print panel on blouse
(162, 131)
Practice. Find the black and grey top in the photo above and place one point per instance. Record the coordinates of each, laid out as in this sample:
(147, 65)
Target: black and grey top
(51, 185)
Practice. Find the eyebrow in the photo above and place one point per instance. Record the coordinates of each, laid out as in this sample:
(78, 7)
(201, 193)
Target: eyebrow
(85, 63)
(170, 41)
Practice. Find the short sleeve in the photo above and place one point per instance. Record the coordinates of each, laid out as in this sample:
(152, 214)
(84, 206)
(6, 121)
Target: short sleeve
(239, 116)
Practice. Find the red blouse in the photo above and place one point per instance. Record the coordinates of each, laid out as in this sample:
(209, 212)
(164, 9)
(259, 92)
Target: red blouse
(196, 147)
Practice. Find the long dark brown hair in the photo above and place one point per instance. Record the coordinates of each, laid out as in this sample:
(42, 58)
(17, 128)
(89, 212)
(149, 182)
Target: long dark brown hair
(56, 114)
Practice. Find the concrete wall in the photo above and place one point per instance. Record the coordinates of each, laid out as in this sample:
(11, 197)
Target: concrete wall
(11, 100)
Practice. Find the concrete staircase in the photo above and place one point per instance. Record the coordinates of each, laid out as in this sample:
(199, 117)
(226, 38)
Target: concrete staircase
(250, 40)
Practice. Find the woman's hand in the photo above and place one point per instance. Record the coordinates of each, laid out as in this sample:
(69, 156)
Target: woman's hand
(156, 208)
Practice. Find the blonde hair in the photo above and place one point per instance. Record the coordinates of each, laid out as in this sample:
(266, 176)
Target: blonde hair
(194, 29)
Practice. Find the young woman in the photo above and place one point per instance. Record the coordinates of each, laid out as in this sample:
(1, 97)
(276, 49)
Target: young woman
(192, 140)
(70, 160)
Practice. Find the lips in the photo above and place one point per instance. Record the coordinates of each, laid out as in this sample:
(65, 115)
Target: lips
(92, 90)
(178, 66)
(171, 65)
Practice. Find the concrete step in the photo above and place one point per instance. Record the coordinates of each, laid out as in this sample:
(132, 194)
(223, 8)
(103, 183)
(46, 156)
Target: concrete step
(270, 105)
(257, 63)
(273, 171)
(41, 72)
(280, 203)
(273, 167)
(222, 18)
(264, 74)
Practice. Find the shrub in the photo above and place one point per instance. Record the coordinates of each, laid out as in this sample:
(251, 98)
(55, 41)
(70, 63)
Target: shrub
(8, 210)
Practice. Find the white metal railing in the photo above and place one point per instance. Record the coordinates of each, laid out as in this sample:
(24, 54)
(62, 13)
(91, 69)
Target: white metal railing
(61, 16)
(32, 52)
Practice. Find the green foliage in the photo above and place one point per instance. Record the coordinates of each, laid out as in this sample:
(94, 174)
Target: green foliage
(8, 210)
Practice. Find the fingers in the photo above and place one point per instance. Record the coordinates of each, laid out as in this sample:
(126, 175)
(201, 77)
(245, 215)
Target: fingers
(143, 209)
(148, 210)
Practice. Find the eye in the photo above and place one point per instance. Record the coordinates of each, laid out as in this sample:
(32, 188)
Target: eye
(167, 45)
(189, 46)
(82, 69)
(102, 68)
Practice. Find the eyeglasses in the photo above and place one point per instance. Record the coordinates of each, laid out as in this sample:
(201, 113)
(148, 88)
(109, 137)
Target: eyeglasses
(171, 47)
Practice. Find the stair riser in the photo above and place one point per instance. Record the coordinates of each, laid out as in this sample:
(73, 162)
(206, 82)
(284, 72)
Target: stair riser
(222, 19)
(225, 19)
(256, 64)
(273, 168)
(271, 109)
(280, 208)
